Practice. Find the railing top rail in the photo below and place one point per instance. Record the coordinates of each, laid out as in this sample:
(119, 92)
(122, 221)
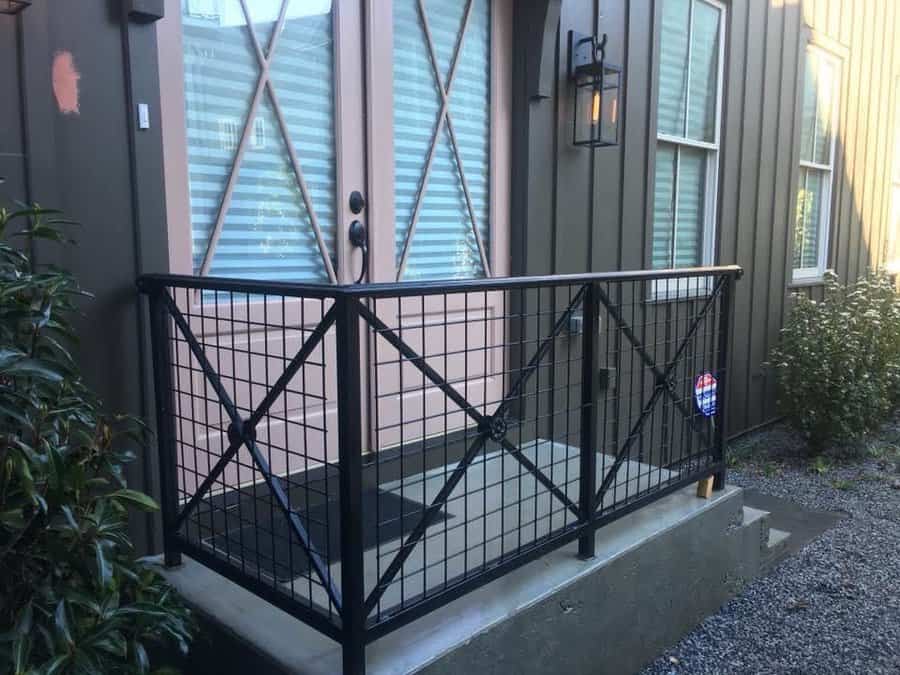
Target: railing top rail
(149, 282)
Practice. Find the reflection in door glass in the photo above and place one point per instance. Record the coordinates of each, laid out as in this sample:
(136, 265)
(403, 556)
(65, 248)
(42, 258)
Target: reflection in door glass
(442, 168)
(257, 223)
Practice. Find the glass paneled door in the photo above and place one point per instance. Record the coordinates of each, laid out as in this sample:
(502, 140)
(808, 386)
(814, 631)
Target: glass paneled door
(439, 206)
(274, 111)
(264, 136)
(263, 129)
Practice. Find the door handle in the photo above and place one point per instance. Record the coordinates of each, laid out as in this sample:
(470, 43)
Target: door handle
(359, 237)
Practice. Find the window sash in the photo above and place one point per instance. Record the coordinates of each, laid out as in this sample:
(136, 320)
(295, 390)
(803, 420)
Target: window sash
(812, 140)
(819, 220)
(676, 121)
(682, 142)
(668, 236)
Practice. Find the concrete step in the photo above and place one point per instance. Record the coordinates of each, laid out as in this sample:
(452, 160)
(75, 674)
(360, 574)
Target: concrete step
(751, 515)
(774, 542)
(801, 525)
(760, 519)
(776, 548)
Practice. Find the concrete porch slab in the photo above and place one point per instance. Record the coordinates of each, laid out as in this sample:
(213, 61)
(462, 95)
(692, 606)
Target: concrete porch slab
(658, 571)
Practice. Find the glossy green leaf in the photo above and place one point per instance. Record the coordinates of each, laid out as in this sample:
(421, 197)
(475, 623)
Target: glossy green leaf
(135, 498)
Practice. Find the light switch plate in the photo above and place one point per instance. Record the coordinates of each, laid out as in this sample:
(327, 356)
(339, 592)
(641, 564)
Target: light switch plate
(143, 116)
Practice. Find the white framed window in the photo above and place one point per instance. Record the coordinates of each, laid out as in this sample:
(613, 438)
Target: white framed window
(821, 95)
(689, 109)
(259, 133)
(892, 234)
(229, 133)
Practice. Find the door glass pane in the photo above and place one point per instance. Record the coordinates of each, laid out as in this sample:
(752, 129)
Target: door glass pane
(443, 242)
(690, 213)
(267, 230)
(663, 206)
(673, 66)
(704, 73)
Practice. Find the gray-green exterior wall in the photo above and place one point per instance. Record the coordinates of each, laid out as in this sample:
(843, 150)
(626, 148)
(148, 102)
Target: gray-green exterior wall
(573, 209)
(101, 172)
(579, 209)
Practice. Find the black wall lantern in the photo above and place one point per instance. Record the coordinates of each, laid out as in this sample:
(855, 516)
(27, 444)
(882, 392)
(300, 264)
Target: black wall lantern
(597, 86)
(13, 6)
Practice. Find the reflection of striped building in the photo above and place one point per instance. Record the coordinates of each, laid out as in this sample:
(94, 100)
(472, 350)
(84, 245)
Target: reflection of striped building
(266, 230)
(443, 243)
(441, 193)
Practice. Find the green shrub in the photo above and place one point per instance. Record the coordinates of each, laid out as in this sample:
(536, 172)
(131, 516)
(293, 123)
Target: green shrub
(73, 596)
(838, 361)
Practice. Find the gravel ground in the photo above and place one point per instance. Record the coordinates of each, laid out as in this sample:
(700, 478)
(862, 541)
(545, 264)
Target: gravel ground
(835, 606)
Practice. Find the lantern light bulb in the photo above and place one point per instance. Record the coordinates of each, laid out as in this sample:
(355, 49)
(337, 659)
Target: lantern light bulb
(595, 107)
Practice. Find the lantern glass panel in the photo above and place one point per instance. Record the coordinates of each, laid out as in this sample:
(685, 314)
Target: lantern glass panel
(597, 109)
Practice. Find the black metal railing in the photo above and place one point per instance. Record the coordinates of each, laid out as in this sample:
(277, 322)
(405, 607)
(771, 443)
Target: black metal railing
(360, 455)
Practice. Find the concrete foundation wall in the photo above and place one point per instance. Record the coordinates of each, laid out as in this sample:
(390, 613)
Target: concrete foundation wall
(657, 573)
(618, 618)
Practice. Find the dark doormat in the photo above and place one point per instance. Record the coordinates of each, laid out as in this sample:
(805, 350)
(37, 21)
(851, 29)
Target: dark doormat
(271, 547)
(804, 524)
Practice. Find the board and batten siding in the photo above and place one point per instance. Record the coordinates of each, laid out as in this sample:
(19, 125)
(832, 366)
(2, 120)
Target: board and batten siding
(577, 209)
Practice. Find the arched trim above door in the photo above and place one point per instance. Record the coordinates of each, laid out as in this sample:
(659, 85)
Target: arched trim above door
(540, 26)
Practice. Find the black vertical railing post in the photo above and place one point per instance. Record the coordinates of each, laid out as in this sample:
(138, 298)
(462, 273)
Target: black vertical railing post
(726, 306)
(353, 615)
(587, 484)
(164, 400)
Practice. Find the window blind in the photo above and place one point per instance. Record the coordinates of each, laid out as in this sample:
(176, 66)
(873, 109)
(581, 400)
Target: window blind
(266, 231)
(809, 210)
(704, 69)
(664, 206)
(443, 244)
(678, 206)
(673, 67)
(691, 202)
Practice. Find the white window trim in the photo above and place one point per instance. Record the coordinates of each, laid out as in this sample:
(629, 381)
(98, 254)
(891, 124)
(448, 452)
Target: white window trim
(693, 286)
(817, 273)
(892, 236)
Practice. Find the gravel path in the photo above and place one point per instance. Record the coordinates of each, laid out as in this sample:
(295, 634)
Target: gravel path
(835, 606)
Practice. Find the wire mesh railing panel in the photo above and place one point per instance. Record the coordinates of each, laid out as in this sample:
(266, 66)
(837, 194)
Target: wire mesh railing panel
(254, 395)
(474, 434)
(661, 357)
(362, 455)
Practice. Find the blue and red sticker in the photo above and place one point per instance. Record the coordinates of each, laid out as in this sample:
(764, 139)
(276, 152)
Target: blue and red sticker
(705, 394)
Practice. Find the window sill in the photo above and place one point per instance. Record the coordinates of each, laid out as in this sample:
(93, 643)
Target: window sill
(807, 281)
(683, 290)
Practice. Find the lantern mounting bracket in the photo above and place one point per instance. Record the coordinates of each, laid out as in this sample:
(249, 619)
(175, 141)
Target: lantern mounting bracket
(13, 6)
(586, 54)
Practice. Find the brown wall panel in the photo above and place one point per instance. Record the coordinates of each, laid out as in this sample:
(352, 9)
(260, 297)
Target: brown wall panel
(89, 161)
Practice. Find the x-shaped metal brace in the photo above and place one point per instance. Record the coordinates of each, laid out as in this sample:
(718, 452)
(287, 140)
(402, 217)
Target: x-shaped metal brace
(663, 382)
(489, 426)
(242, 433)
